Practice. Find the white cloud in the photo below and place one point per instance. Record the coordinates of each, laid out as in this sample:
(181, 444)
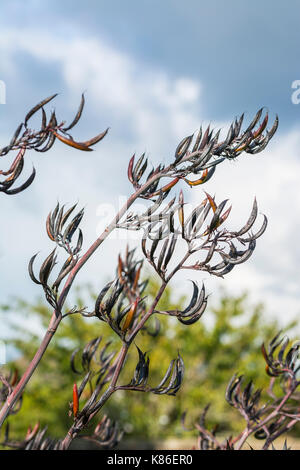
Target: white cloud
(152, 103)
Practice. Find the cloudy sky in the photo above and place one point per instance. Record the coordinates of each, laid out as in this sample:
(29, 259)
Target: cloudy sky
(154, 72)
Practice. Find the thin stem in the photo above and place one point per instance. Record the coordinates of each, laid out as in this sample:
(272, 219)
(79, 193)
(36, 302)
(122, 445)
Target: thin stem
(18, 390)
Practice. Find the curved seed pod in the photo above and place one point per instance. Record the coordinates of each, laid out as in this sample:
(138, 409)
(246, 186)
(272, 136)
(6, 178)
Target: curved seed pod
(257, 234)
(226, 270)
(273, 128)
(116, 291)
(224, 216)
(238, 125)
(201, 221)
(170, 252)
(136, 278)
(193, 317)
(15, 174)
(255, 120)
(142, 370)
(205, 139)
(79, 242)
(58, 221)
(166, 188)
(49, 228)
(193, 299)
(241, 258)
(181, 212)
(153, 248)
(65, 270)
(24, 185)
(211, 202)
(16, 135)
(182, 148)
(282, 349)
(169, 390)
(121, 313)
(199, 306)
(48, 145)
(197, 141)
(30, 269)
(100, 298)
(230, 135)
(96, 139)
(85, 380)
(212, 164)
(54, 214)
(232, 385)
(72, 362)
(39, 142)
(139, 169)
(78, 114)
(71, 228)
(142, 170)
(89, 351)
(53, 121)
(292, 355)
(215, 222)
(47, 267)
(44, 119)
(130, 169)
(193, 217)
(198, 181)
(176, 379)
(262, 127)
(161, 256)
(20, 156)
(165, 378)
(204, 158)
(37, 107)
(72, 143)
(250, 221)
(65, 217)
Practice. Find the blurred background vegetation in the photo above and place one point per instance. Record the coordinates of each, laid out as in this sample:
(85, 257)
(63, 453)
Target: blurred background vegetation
(226, 340)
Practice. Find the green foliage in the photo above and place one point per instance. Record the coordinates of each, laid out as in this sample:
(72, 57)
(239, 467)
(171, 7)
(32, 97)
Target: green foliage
(226, 340)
